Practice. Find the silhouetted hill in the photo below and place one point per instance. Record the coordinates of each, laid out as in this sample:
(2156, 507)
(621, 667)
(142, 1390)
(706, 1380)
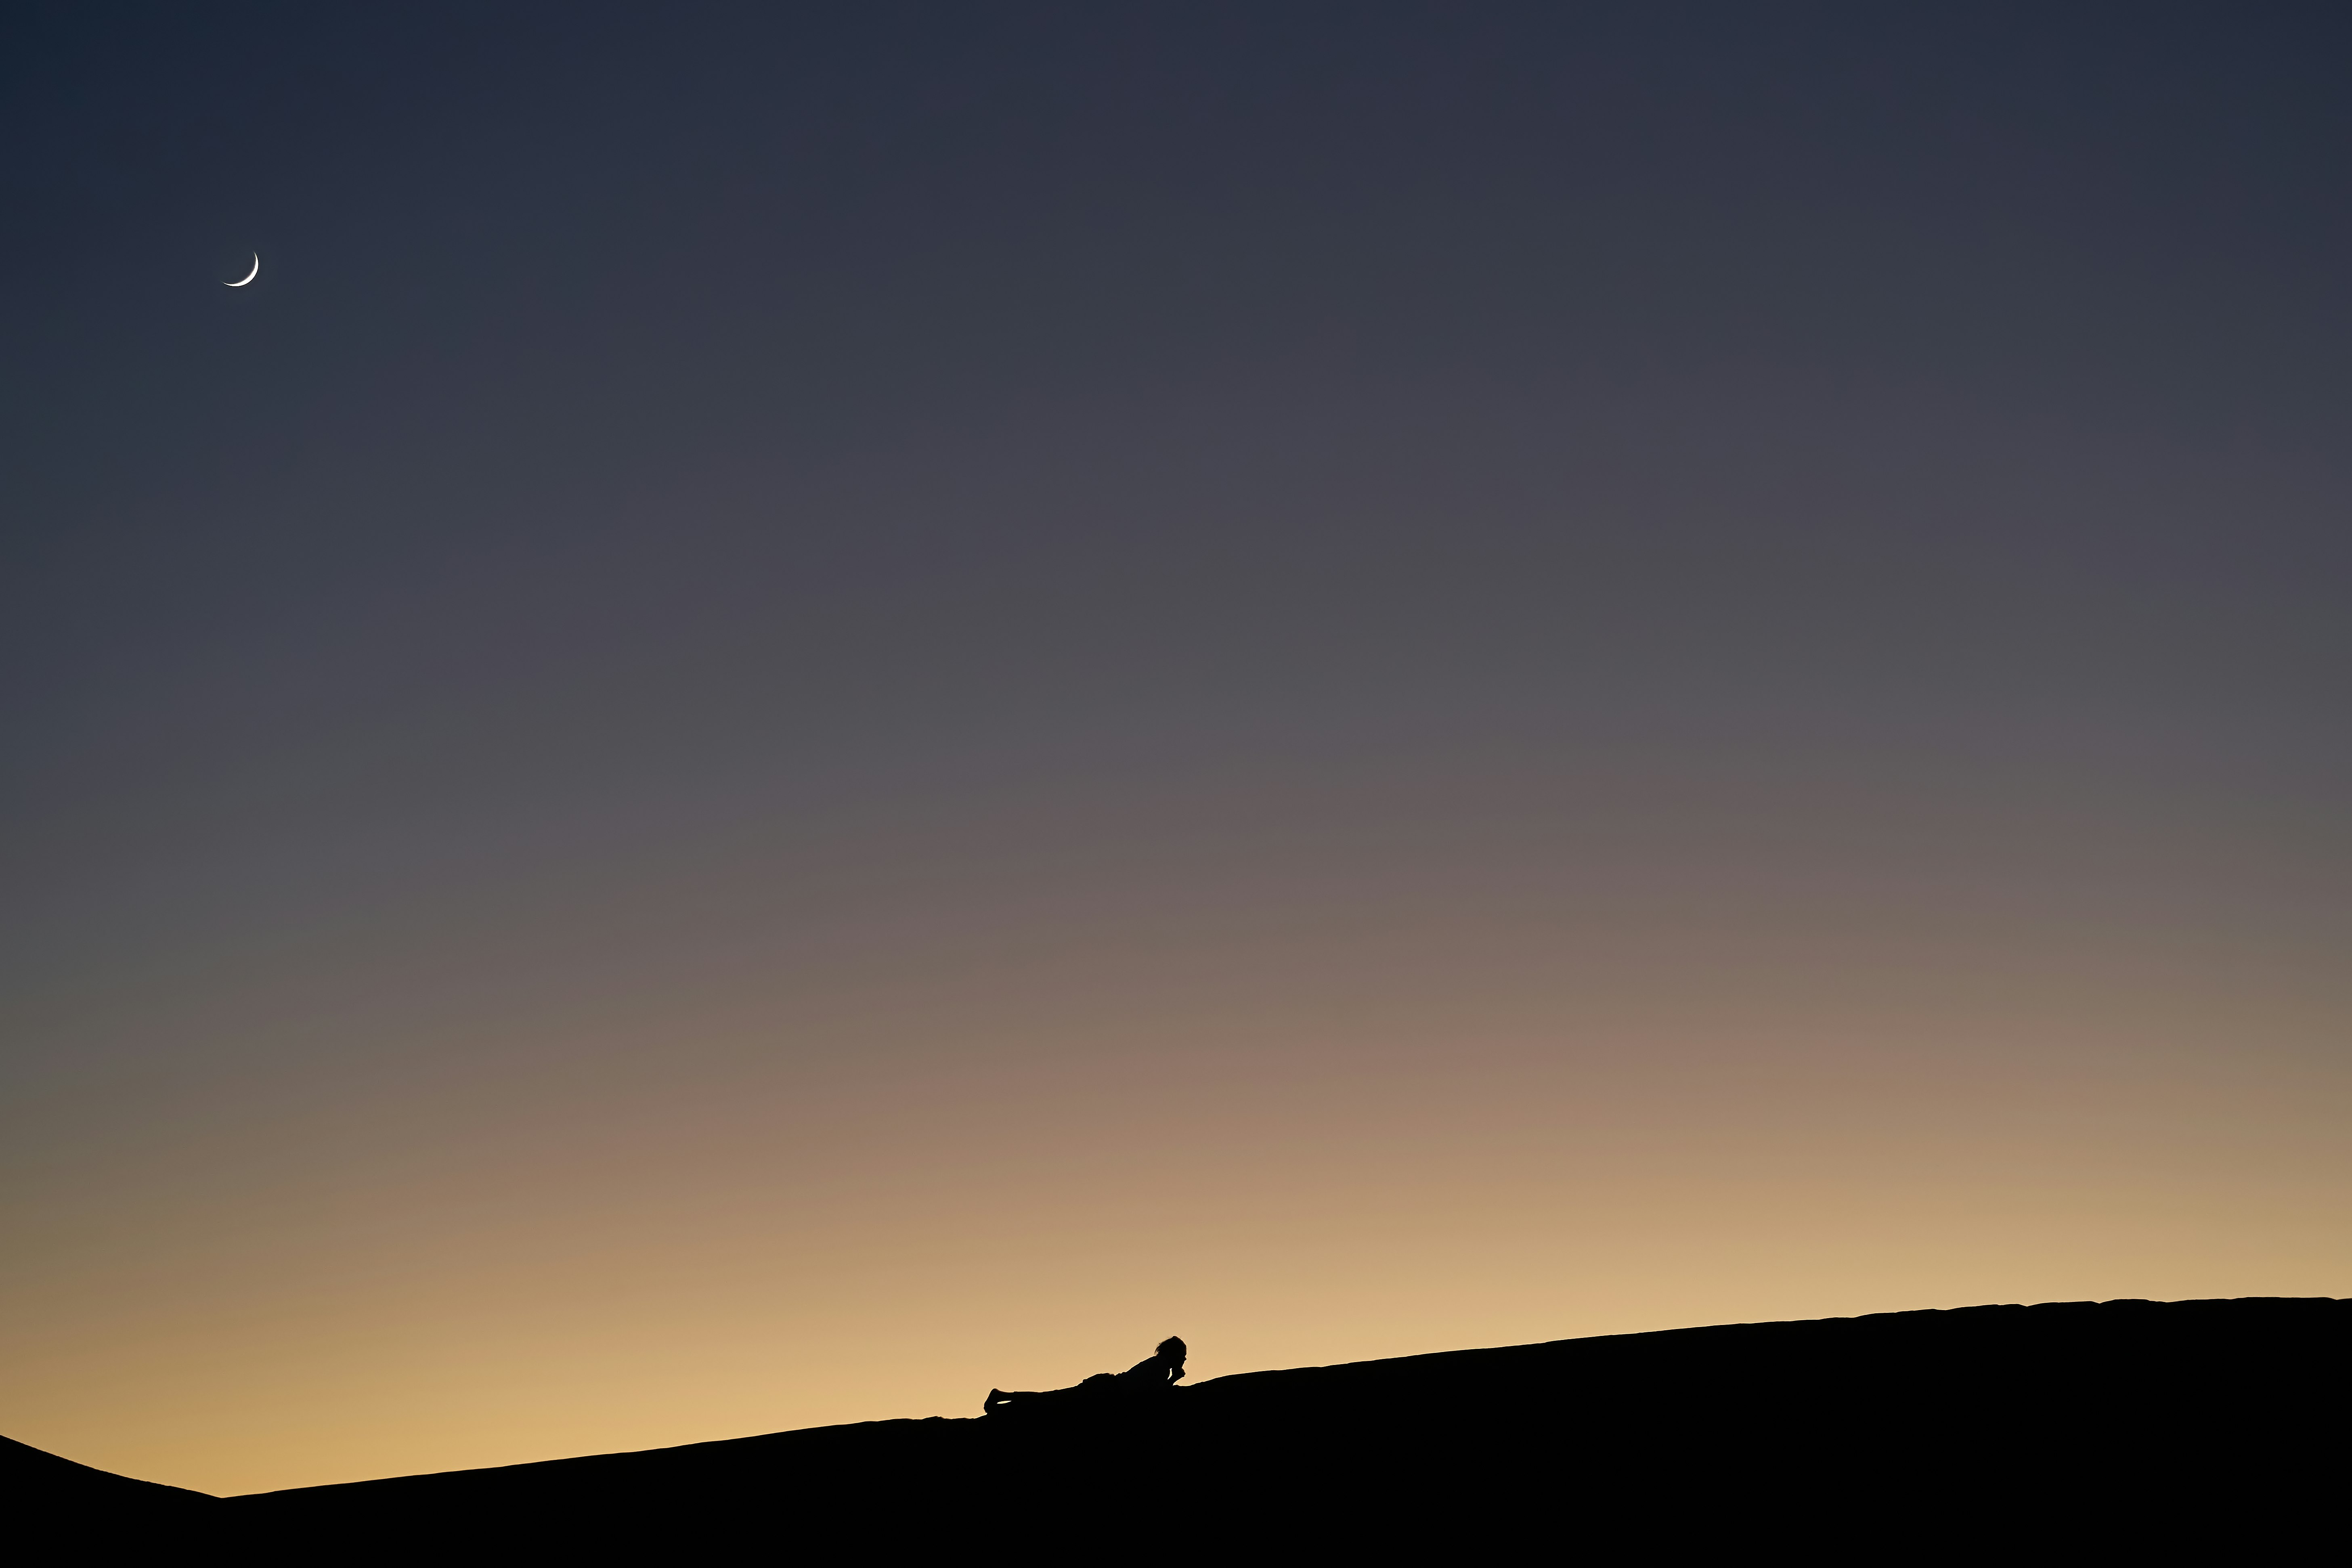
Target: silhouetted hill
(2075, 1427)
(30, 1476)
(71, 1511)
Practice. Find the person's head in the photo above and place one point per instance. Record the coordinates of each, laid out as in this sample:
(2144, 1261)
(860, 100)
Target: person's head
(1173, 1348)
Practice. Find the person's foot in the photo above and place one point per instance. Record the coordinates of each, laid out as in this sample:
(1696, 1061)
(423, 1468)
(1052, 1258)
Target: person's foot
(995, 1397)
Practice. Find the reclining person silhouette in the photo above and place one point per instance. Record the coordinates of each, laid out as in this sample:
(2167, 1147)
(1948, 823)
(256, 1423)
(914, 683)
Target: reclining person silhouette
(1158, 1372)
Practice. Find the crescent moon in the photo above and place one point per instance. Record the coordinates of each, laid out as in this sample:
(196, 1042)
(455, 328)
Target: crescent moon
(249, 276)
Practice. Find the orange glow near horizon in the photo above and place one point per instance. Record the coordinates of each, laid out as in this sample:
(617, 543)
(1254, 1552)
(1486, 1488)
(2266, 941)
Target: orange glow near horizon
(717, 1206)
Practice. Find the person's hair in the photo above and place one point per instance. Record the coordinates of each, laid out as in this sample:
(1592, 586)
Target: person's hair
(1171, 1345)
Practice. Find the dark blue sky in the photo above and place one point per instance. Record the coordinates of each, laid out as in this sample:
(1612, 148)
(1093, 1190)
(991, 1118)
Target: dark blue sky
(619, 374)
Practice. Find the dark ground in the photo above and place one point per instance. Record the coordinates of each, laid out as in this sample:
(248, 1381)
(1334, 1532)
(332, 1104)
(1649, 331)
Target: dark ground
(2074, 1427)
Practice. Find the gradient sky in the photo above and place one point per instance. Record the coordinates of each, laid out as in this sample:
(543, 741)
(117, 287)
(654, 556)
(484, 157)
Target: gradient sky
(816, 707)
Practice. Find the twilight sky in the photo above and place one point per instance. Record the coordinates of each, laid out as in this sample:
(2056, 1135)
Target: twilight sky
(813, 707)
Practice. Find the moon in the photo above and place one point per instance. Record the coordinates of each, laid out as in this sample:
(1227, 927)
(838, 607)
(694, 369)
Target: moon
(249, 276)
